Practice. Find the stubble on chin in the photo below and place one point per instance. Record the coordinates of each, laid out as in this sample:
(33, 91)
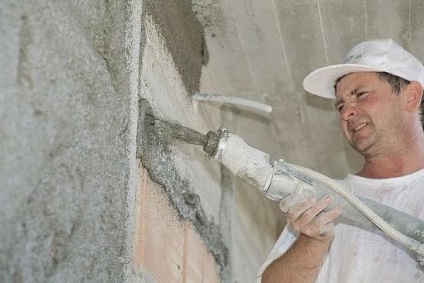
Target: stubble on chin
(361, 145)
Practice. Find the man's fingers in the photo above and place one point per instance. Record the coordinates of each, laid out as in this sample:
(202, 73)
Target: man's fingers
(318, 208)
(297, 210)
(303, 192)
(308, 217)
(287, 203)
(324, 221)
(322, 224)
(306, 210)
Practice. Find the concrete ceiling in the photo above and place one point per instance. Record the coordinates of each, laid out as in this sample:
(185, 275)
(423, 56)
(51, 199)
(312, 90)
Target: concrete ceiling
(262, 50)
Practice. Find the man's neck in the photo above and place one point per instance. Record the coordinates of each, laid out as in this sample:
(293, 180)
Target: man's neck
(398, 163)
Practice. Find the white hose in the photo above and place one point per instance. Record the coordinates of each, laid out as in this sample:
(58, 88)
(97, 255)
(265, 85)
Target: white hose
(255, 167)
(233, 100)
(410, 243)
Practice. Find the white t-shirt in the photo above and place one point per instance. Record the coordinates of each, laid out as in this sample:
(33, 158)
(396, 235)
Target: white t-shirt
(357, 255)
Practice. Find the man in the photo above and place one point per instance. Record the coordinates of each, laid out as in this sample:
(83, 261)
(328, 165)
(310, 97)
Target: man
(377, 91)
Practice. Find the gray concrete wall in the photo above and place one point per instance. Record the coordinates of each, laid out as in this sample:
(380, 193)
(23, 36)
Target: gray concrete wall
(65, 141)
(76, 81)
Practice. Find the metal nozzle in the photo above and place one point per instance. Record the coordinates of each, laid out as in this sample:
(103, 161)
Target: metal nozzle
(211, 145)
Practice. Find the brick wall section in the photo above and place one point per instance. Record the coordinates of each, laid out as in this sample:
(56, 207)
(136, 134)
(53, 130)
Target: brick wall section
(167, 248)
(239, 231)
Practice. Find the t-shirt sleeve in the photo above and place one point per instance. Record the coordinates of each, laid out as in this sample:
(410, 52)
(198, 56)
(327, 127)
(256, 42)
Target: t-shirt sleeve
(284, 242)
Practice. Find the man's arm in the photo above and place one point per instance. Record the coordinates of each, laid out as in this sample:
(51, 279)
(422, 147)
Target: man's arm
(302, 262)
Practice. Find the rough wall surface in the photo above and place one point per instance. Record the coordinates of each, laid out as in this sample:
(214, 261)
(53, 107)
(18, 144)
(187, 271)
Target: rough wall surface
(74, 77)
(199, 192)
(64, 107)
(165, 93)
(183, 35)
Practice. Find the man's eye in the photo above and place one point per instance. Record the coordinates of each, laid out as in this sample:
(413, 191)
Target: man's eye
(340, 107)
(361, 94)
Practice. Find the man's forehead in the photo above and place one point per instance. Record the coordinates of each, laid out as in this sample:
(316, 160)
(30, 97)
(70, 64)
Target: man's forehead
(354, 81)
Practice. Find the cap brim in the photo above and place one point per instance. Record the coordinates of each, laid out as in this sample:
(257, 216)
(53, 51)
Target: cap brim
(321, 81)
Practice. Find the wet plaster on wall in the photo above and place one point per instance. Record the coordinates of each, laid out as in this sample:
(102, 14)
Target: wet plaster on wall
(226, 220)
(64, 107)
(184, 37)
(153, 149)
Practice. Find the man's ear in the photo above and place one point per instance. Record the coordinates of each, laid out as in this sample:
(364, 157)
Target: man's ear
(414, 93)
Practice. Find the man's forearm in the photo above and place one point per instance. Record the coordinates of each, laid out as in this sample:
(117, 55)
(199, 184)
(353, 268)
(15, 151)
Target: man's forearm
(300, 264)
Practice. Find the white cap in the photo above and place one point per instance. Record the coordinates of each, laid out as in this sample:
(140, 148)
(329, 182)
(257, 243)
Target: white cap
(382, 55)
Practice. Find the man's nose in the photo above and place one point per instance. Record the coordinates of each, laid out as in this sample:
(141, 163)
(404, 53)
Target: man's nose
(349, 110)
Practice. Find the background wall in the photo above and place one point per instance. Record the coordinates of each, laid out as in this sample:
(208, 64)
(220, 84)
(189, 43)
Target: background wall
(83, 172)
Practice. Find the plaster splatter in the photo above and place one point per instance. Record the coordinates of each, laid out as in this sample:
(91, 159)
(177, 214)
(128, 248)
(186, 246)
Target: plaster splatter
(153, 149)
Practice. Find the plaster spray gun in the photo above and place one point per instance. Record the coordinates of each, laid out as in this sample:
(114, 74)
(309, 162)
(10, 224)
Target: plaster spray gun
(279, 179)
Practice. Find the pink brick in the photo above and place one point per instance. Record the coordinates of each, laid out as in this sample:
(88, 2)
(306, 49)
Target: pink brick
(170, 250)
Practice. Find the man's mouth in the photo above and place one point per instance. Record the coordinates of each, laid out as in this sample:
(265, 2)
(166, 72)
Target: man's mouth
(360, 126)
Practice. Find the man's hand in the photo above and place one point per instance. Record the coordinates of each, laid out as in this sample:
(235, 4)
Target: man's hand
(302, 262)
(308, 218)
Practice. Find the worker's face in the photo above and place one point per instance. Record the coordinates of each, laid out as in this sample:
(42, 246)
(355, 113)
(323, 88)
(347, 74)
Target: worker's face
(371, 114)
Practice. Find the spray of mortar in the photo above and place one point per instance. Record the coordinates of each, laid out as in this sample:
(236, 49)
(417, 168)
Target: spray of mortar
(279, 180)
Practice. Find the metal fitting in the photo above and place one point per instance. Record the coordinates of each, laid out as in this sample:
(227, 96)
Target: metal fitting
(211, 145)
